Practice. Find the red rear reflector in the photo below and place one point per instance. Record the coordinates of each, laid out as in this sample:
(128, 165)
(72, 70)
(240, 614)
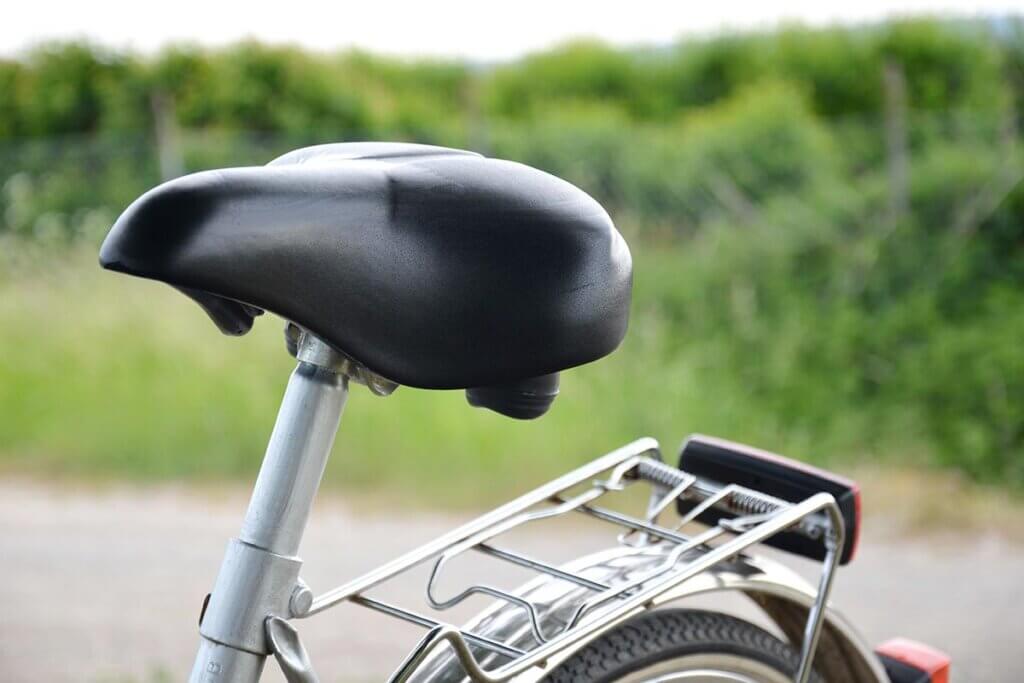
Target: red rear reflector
(855, 543)
(918, 655)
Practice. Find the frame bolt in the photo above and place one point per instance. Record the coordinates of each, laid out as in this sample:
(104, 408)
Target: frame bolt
(301, 600)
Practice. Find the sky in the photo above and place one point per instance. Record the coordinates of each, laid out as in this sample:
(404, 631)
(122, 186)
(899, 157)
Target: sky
(472, 29)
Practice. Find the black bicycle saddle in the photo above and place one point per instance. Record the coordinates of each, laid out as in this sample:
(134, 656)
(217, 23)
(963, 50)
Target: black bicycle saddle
(433, 267)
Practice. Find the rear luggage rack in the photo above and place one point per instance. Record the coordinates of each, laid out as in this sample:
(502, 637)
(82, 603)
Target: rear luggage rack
(755, 518)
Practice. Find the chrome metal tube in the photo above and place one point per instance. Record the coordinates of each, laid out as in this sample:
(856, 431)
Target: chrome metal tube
(426, 622)
(815, 617)
(544, 567)
(233, 647)
(484, 524)
(295, 459)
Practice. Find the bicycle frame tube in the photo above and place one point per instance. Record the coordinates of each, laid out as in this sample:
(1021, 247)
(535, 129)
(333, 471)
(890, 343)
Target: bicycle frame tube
(259, 574)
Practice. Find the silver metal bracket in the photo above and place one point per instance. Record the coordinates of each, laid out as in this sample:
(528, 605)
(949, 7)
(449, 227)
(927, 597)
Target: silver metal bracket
(289, 652)
(259, 581)
(310, 349)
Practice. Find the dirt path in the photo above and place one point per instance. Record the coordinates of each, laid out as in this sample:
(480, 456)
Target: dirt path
(107, 586)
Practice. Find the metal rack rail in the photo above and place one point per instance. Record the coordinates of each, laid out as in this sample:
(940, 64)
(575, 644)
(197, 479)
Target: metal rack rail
(756, 517)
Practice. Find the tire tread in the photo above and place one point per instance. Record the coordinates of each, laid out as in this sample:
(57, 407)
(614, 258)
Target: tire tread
(655, 636)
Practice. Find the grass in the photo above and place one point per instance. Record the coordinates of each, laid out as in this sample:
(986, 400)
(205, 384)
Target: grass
(104, 376)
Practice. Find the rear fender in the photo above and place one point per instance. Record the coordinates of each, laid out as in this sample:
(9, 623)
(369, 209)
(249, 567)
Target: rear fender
(784, 596)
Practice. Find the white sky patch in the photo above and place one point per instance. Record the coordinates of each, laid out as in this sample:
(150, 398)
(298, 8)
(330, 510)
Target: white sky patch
(474, 29)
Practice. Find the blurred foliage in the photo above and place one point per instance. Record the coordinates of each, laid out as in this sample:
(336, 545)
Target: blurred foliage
(824, 264)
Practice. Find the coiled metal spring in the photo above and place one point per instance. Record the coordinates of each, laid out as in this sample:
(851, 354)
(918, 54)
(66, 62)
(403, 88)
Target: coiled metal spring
(659, 473)
(750, 504)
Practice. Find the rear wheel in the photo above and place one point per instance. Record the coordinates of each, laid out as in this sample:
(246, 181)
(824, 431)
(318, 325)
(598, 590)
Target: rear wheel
(682, 646)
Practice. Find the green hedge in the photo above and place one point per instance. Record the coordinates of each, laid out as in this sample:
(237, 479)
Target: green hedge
(788, 290)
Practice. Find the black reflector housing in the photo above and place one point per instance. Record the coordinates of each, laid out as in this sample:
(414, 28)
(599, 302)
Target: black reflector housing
(726, 462)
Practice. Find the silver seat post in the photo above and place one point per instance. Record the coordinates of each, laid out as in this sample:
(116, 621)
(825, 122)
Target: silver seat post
(259, 576)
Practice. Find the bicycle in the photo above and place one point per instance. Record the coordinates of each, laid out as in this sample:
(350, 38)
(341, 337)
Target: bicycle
(399, 264)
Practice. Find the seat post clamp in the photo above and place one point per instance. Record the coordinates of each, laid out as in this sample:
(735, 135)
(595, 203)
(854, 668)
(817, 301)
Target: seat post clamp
(253, 584)
(308, 348)
(316, 352)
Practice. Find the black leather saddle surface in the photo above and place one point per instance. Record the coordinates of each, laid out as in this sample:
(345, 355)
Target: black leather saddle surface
(433, 267)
